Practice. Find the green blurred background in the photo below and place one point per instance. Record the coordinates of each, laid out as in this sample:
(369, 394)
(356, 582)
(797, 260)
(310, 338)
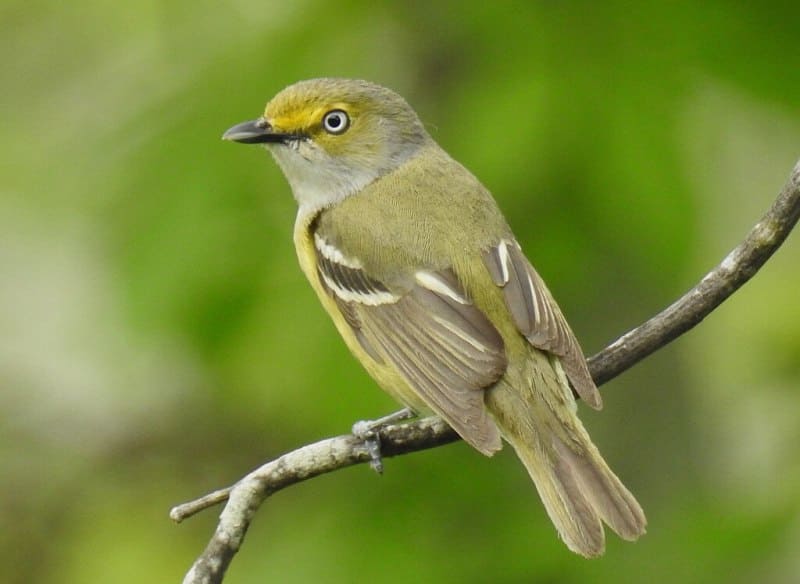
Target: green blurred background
(158, 339)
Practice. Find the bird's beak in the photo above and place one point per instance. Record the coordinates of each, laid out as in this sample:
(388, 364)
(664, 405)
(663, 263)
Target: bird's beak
(255, 132)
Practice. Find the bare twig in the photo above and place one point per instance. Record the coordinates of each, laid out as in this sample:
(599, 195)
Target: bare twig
(737, 268)
(245, 497)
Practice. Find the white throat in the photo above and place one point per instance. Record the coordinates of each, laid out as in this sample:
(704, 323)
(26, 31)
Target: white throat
(319, 181)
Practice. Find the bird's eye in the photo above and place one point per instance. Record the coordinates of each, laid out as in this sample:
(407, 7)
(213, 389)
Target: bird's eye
(335, 122)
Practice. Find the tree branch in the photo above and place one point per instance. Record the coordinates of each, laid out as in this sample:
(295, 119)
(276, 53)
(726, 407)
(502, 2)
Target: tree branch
(245, 497)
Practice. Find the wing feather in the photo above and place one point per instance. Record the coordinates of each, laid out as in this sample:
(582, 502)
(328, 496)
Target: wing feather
(537, 316)
(444, 347)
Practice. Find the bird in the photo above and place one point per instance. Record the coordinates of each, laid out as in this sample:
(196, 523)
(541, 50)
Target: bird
(415, 263)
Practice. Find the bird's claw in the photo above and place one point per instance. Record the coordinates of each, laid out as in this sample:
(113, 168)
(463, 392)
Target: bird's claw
(368, 431)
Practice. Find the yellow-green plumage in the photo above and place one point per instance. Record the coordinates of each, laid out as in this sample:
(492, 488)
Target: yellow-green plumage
(413, 228)
(406, 235)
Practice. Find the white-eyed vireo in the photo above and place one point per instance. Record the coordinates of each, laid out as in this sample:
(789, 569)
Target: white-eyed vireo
(425, 281)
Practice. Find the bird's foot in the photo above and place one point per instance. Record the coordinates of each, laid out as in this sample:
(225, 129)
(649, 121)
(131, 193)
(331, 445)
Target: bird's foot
(368, 431)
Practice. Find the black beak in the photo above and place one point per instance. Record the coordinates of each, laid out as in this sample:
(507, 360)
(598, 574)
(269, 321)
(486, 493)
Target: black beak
(255, 132)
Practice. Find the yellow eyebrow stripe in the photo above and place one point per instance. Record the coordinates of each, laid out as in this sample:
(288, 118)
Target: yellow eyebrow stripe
(303, 117)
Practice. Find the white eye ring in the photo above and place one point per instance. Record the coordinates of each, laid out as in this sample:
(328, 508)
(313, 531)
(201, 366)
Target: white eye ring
(336, 122)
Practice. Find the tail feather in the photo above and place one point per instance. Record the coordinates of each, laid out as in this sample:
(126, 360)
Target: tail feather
(608, 496)
(576, 485)
(572, 513)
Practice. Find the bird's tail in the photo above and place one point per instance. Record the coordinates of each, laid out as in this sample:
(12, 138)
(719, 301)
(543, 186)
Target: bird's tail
(576, 485)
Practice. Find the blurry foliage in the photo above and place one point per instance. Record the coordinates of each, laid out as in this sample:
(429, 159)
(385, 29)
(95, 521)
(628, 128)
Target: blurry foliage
(159, 340)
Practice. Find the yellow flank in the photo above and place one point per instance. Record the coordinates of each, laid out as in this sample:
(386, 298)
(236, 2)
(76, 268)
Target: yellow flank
(386, 376)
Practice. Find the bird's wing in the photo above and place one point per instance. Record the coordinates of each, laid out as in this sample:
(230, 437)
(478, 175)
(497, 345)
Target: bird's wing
(537, 315)
(429, 331)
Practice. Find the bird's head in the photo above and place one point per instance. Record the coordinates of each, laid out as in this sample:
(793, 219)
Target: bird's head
(332, 137)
